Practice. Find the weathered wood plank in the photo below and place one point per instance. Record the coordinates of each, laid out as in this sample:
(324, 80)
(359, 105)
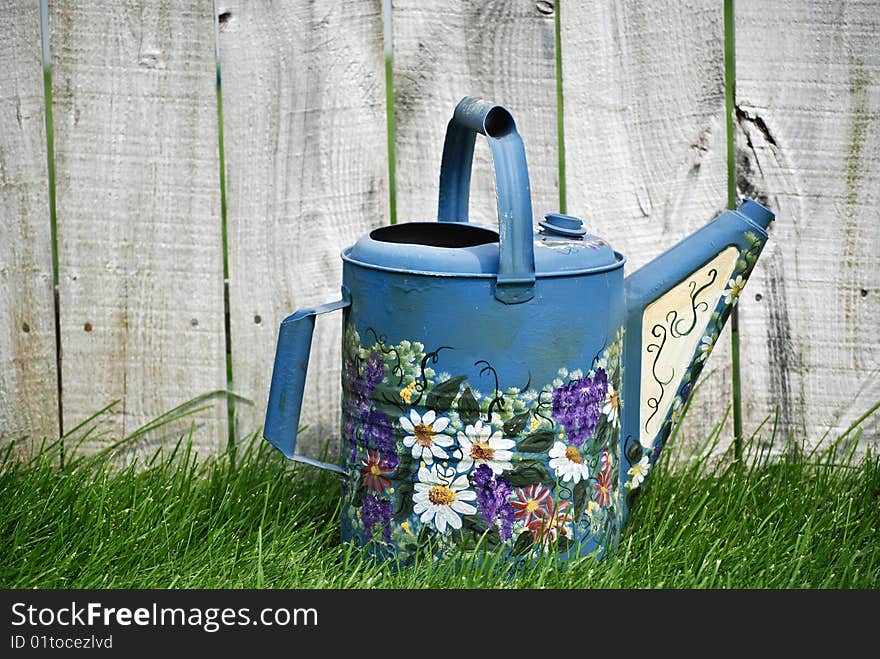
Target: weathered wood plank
(502, 51)
(139, 212)
(307, 174)
(28, 376)
(645, 139)
(808, 96)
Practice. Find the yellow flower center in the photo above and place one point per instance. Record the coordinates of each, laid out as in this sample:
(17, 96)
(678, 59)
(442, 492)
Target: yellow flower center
(424, 435)
(531, 505)
(573, 455)
(440, 495)
(374, 469)
(614, 400)
(482, 451)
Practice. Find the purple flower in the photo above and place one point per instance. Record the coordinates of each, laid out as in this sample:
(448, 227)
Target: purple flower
(378, 432)
(374, 371)
(492, 499)
(377, 511)
(375, 427)
(576, 406)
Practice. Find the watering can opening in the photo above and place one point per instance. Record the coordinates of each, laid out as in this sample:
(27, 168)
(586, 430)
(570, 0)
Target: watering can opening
(435, 234)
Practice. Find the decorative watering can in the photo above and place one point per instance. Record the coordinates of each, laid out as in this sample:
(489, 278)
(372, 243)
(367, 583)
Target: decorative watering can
(508, 388)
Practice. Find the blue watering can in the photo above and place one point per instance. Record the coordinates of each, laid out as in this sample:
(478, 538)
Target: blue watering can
(509, 389)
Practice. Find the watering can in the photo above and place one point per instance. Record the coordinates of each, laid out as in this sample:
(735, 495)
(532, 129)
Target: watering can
(509, 389)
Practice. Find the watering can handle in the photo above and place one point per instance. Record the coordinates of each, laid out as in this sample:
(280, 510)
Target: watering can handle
(289, 379)
(516, 266)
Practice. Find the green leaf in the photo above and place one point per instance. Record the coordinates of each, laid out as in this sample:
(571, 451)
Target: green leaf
(537, 442)
(515, 425)
(563, 544)
(474, 523)
(440, 398)
(358, 499)
(468, 409)
(634, 453)
(403, 503)
(632, 496)
(523, 544)
(406, 467)
(386, 397)
(477, 526)
(579, 499)
(601, 430)
(528, 472)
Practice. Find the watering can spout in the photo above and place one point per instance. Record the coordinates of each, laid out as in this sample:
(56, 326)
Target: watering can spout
(676, 308)
(756, 213)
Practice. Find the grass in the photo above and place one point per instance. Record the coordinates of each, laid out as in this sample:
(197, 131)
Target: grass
(805, 520)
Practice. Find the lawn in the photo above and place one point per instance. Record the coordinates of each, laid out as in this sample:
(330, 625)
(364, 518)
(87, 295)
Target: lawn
(799, 520)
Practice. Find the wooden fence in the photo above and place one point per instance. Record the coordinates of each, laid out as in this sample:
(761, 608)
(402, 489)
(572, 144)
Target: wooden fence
(168, 270)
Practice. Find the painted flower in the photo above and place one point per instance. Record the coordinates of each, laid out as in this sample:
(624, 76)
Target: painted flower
(425, 436)
(492, 500)
(602, 490)
(441, 498)
(638, 472)
(547, 528)
(375, 469)
(611, 408)
(374, 370)
(375, 512)
(576, 405)
(479, 445)
(568, 463)
(706, 345)
(377, 431)
(407, 392)
(531, 502)
(734, 288)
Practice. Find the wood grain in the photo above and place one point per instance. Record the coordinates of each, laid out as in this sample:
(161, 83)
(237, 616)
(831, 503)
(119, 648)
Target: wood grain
(307, 174)
(501, 51)
(645, 140)
(139, 213)
(28, 384)
(808, 96)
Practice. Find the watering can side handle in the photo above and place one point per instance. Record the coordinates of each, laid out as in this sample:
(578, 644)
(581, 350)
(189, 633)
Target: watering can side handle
(289, 379)
(516, 267)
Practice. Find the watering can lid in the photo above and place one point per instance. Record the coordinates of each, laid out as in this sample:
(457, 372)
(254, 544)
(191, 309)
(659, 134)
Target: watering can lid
(562, 246)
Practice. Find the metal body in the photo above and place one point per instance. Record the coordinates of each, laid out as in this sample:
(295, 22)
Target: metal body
(510, 390)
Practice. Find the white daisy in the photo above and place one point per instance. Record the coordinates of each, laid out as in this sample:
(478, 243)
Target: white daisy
(479, 445)
(568, 463)
(441, 499)
(425, 438)
(638, 472)
(705, 346)
(611, 408)
(734, 288)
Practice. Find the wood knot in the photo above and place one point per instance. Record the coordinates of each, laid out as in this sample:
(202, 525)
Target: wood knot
(545, 7)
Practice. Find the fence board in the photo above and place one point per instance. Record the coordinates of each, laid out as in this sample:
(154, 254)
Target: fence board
(139, 214)
(808, 93)
(502, 51)
(307, 173)
(645, 139)
(28, 384)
